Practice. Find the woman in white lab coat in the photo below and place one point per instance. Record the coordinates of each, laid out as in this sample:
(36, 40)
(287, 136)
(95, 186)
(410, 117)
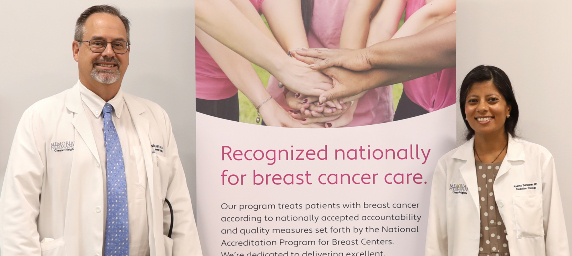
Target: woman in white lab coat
(495, 194)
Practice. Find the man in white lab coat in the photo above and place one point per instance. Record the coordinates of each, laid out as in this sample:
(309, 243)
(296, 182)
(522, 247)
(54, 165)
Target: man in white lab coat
(94, 170)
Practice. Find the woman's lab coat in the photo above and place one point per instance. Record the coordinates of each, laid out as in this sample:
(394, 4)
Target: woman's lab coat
(54, 192)
(527, 197)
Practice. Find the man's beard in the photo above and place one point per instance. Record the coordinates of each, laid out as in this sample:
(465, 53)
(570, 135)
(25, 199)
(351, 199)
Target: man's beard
(106, 76)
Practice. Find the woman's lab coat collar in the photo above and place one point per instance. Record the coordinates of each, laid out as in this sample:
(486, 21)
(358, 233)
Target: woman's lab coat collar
(514, 151)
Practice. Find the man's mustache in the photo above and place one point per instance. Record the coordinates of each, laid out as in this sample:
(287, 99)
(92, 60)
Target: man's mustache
(107, 60)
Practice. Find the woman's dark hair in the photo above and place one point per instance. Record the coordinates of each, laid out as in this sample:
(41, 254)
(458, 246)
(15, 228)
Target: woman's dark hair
(499, 78)
(307, 13)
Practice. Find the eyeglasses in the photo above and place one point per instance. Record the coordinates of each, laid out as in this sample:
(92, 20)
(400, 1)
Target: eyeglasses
(98, 46)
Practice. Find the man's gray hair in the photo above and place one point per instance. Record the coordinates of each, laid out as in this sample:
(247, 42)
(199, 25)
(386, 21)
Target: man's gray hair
(80, 23)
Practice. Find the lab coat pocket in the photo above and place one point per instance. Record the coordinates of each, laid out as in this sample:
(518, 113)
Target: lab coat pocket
(168, 246)
(51, 247)
(528, 216)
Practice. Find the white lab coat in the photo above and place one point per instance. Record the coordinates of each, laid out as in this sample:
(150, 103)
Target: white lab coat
(55, 194)
(533, 216)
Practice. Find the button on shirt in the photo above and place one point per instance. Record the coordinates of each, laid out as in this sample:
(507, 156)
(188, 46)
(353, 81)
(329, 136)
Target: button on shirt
(135, 174)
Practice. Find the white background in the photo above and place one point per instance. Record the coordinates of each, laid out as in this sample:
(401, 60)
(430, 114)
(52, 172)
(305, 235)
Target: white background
(532, 42)
(36, 62)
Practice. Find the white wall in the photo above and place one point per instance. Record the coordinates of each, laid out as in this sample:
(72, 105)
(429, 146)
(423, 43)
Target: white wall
(36, 62)
(532, 42)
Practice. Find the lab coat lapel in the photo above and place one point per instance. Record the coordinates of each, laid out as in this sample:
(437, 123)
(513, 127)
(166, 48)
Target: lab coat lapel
(80, 121)
(468, 170)
(505, 167)
(142, 127)
(141, 123)
(514, 152)
(469, 174)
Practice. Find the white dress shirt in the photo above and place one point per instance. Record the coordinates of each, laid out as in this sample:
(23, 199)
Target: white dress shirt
(135, 175)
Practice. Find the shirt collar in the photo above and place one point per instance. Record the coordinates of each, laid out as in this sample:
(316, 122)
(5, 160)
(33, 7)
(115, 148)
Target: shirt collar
(96, 103)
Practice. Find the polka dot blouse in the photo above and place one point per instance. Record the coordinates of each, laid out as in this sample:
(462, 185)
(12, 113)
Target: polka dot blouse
(493, 232)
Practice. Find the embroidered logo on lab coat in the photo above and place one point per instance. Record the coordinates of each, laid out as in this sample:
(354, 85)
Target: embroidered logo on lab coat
(62, 146)
(458, 188)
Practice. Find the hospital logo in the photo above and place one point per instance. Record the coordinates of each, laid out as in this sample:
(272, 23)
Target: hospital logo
(62, 146)
(458, 188)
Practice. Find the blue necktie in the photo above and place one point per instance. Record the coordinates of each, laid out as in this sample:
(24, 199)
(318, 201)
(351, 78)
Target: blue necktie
(117, 223)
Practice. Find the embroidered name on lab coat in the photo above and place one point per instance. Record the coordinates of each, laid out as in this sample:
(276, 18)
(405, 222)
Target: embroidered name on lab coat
(526, 186)
(158, 148)
(458, 188)
(62, 146)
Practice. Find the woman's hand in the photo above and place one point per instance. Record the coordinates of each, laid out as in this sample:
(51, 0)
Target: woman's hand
(321, 58)
(302, 103)
(432, 49)
(342, 79)
(321, 110)
(300, 78)
(274, 115)
(338, 119)
(344, 119)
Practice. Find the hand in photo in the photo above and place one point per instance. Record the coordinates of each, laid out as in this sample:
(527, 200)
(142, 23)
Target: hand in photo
(299, 77)
(320, 58)
(330, 118)
(274, 115)
(348, 85)
(309, 111)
